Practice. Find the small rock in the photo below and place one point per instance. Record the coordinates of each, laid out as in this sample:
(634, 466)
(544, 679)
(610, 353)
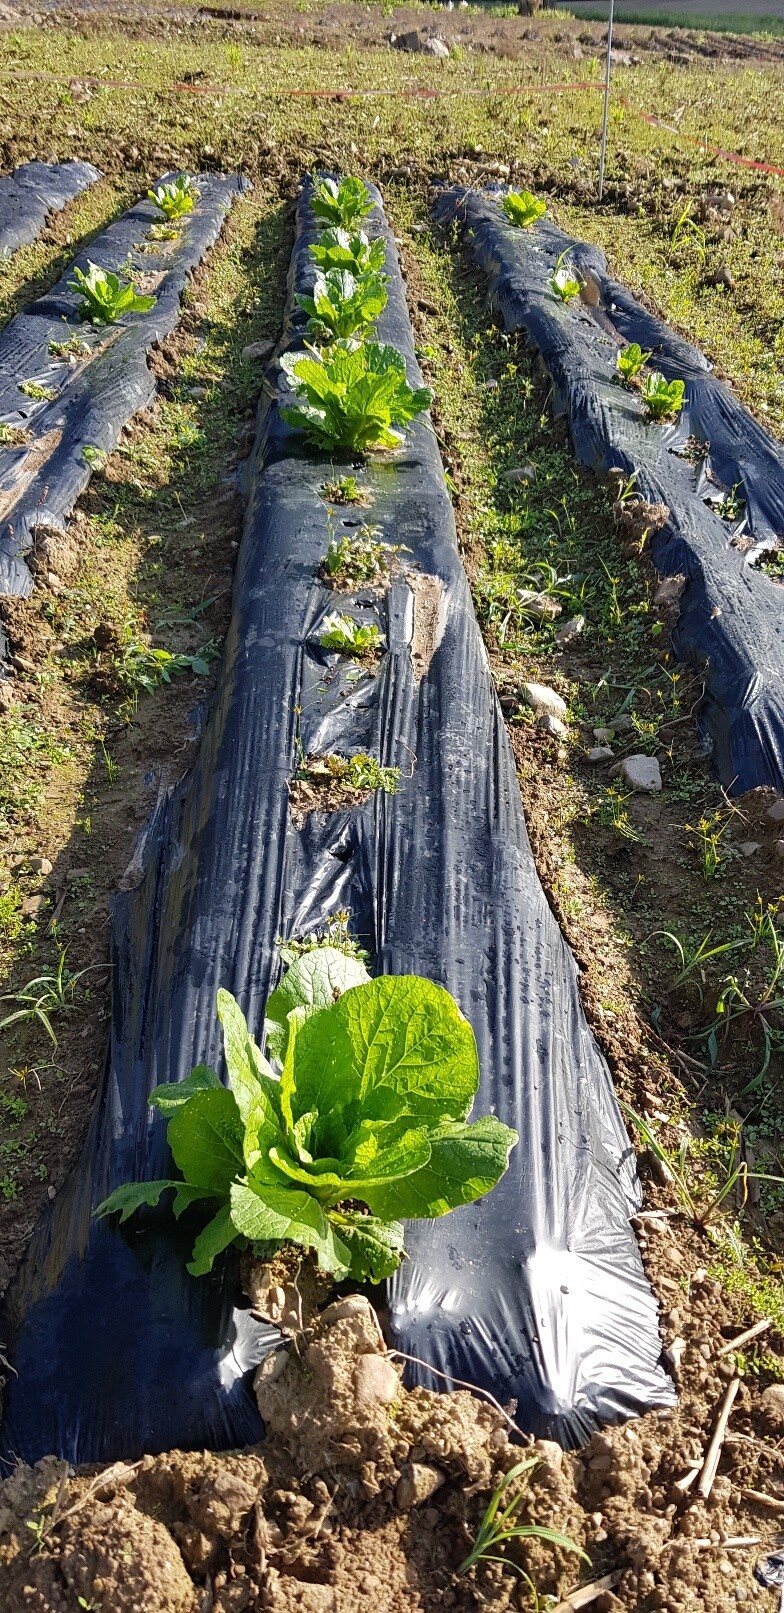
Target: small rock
(256, 350)
(417, 1482)
(550, 1455)
(604, 735)
(33, 905)
(669, 591)
(542, 698)
(601, 753)
(520, 473)
(569, 631)
(198, 393)
(643, 773)
(375, 1381)
(674, 1352)
(51, 1193)
(773, 1406)
(40, 865)
(351, 1305)
(552, 725)
(622, 724)
(747, 848)
(418, 42)
(722, 277)
(776, 812)
(779, 849)
(7, 697)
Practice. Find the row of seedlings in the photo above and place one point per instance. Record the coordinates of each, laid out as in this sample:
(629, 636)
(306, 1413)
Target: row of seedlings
(356, 763)
(695, 473)
(73, 366)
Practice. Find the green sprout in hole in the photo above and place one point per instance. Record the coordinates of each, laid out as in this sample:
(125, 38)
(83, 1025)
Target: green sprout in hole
(498, 1525)
(358, 772)
(94, 457)
(663, 399)
(334, 933)
(630, 361)
(39, 394)
(341, 204)
(523, 209)
(346, 490)
(342, 304)
(318, 1145)
(174, 198)
(348, 249)
(772, 563)
(349, 637)
(353, 397)
(358, 557)
(105, 297)
(564, 282)
(73, 348)
(13, 436)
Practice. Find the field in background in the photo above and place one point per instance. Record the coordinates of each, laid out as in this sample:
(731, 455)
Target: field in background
(721, 14)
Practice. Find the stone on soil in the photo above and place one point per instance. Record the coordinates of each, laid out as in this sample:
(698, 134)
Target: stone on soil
(601, 753)
(569, 631)
(417, 1483)
(542, 698)
(553, 725)
(642, 773)
(776, 812)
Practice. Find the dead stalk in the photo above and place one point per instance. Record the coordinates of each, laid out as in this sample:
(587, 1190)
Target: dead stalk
(711, 1464)
(745, 1338)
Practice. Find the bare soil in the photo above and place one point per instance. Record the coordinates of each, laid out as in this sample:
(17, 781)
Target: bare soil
(364, 1491)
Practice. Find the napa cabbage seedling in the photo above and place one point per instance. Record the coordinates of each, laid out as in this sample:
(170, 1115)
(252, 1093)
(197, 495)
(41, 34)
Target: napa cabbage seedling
(341, 204)
(630, 361)
(342, 303)
(174, 197)
(359, 1123)
(353, 397)
(347, 249)
(522, 208)
(662, 398)
(564, 282)
(105, 297)
(349, 637)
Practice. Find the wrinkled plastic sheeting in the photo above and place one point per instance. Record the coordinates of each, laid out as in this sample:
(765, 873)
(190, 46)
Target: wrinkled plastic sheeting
(95, 397)
(731, 620)
(535, 1293)
(32, 192)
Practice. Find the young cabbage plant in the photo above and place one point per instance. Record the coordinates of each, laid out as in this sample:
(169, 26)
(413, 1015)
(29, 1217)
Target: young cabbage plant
(349, 637)
(342, 303)
(630, 361)
(564, 281)
(174, 197)
(358, 1124)
(341, 204)
(522, 208)
(105, 297)
(662, 398)
(353, 397)
(348, 249)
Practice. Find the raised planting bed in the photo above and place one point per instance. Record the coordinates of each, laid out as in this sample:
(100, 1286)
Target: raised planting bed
(32, 192)
(718, 475)
(69, 385)
(534, 1292)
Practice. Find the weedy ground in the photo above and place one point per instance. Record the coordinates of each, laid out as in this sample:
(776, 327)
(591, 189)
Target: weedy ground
(647, 889)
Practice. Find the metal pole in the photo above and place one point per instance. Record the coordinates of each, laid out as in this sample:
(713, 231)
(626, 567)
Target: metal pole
(606, 119)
